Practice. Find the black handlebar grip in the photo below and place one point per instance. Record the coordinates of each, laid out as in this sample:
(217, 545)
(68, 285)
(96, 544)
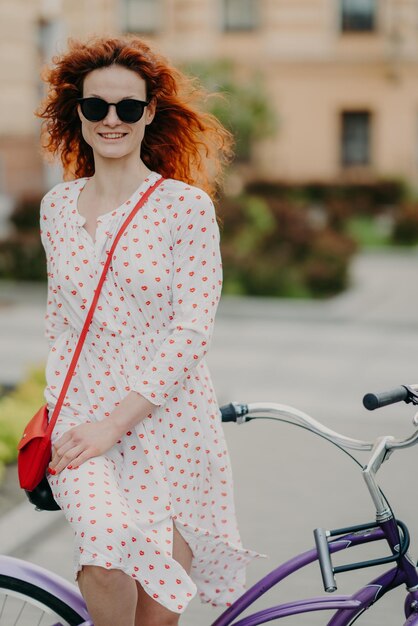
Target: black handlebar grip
(228, 413)
(373, 401)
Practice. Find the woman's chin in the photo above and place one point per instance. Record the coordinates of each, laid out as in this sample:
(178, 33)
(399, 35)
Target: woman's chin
(111, 152)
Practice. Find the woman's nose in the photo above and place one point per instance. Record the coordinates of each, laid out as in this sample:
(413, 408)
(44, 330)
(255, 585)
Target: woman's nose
(111, 118)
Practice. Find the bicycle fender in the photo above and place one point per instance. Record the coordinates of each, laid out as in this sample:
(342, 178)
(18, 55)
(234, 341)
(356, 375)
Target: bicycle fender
(41, 577)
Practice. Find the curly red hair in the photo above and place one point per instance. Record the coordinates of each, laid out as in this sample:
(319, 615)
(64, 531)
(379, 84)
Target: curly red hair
(183, 141)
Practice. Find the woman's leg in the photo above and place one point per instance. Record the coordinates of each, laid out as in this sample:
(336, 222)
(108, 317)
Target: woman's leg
(152, 613)
(111, 595)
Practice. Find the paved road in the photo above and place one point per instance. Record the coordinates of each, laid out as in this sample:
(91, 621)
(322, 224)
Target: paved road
(322, 358)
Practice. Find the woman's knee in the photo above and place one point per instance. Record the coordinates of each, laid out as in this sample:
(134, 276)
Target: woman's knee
(100, 576)
(151, 613)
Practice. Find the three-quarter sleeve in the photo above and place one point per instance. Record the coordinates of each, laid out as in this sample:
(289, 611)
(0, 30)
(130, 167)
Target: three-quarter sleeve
(196, 289)
(54, 321)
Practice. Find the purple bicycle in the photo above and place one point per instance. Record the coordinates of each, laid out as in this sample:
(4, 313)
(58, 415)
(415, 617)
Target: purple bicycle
(345, 609)
(30, 595)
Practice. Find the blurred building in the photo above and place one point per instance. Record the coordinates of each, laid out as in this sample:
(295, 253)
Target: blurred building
(342, 76)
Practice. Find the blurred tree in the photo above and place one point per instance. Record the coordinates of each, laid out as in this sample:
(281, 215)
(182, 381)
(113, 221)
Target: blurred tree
(244, 108)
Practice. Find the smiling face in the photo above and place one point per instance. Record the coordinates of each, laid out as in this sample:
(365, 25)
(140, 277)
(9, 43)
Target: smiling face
(111, 138)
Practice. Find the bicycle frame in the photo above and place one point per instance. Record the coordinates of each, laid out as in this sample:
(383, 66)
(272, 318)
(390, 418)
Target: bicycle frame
(346, 607)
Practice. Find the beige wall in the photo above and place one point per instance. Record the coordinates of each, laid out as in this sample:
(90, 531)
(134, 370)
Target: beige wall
(19, 67)
(312, 73)
(310, 100)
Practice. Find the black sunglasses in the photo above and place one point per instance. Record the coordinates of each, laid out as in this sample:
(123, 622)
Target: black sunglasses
(96, 109)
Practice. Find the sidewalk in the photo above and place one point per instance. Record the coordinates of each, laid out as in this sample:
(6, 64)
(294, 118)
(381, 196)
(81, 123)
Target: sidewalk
(382, 294)
(21, 329)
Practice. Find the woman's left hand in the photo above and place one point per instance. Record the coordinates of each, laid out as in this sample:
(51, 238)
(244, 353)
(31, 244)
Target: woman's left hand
(81, 443)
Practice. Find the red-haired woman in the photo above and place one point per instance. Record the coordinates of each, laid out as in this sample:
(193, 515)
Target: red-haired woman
(140, 466)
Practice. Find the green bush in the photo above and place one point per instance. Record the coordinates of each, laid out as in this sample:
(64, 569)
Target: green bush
(326, 267)
(22, 256)
(364, 198)
(363, 211)
(405, 228)
(25, 216)
(16, 409)
(271, 248)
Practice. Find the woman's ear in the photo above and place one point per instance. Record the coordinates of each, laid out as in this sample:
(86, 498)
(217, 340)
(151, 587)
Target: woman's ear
(150, 111)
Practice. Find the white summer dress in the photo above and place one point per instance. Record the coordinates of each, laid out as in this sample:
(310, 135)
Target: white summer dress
(151, 330)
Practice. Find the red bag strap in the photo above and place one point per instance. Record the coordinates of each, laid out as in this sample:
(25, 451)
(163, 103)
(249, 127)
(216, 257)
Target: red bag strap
(89, 317)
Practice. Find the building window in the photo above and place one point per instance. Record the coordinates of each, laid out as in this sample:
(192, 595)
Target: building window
(239, 15)
(355, 138)
(140, 16)
(358, 15)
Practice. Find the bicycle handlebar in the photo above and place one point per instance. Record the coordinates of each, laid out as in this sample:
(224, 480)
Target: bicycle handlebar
(240, 413)
(372, 401)
(381, 450)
